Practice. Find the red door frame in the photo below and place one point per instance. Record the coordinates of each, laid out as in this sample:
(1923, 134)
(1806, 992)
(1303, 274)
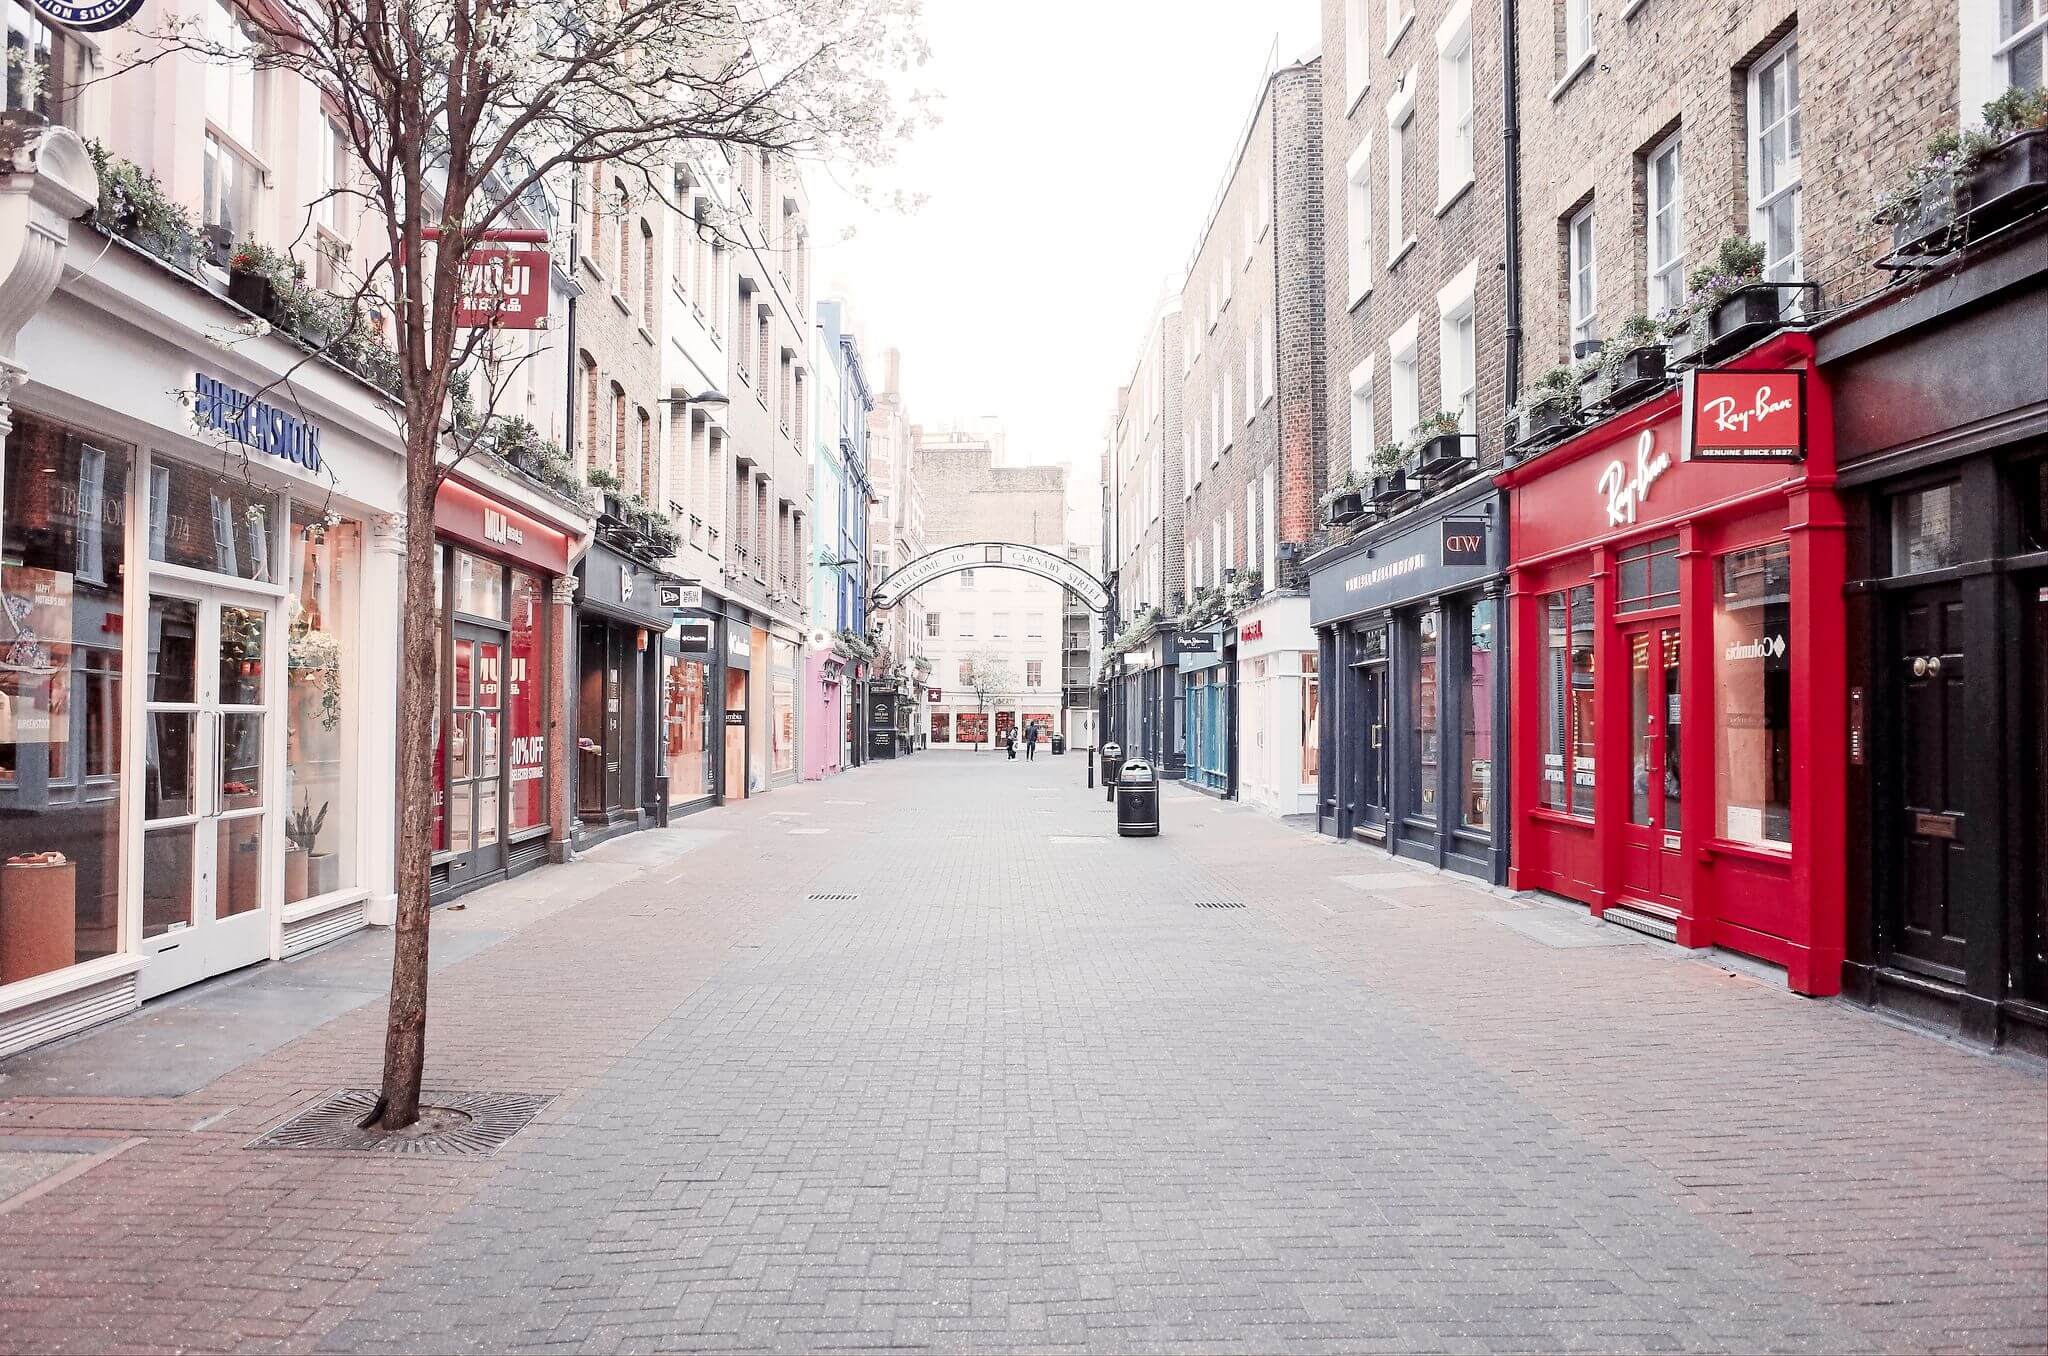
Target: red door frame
(1782, 906)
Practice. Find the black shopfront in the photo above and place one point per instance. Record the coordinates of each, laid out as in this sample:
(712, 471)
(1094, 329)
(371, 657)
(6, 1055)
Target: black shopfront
(619, 703)
(1413, 647)
(1941, 400)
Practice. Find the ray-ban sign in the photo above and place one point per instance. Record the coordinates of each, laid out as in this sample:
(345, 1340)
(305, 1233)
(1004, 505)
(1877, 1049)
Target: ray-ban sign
(1745, 416)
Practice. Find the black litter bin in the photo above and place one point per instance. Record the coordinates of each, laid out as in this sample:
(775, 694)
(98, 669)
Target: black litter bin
(1112, 759)
(1059, 743)
(1137, 801)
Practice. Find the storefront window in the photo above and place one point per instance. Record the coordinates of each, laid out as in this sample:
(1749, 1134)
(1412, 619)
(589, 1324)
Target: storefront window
(1647, 576)
(209, 522)
(1475, 727)
(319, 782)
(940, 722)
(1753, 695)
(1568, 701)
(525, 701)
(686, 709)
(63, 565)
(479, 586)
(782, 654)
(1311, 718)
(1422, 693)
(1924, 530)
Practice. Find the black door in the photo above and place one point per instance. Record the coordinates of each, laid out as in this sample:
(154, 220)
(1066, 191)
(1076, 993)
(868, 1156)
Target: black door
(2032, 860)
(1926, 915)
(1370, 755)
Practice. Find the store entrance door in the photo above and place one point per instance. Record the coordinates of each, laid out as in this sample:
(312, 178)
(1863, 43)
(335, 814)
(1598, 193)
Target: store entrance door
(1370, 807)
(1652, 861)
(1925, 917)
(211, 865)
(474, 756)
(735, 777)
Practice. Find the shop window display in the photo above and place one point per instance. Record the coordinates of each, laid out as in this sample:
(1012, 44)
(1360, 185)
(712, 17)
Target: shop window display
(1422, 693)
(1475, 727)
(1753, 695)
(1311, 718)
(1568, 727)
(687, 710)
(319, 783)
(63, 567)
(782, 728)
(524, 701)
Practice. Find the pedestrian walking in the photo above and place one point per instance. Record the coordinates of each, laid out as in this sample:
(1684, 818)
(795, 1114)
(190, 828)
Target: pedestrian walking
(1030, 742)
(1010, 743)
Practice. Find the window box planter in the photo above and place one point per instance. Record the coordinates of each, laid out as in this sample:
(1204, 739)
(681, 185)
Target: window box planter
(1543, 423)
(1685, 346)
(611, 507)
(1345, 508)
(1931, 226)
(2008, 182)
(1594, 388)
(253, 293)
(1641, 371)
(1445, 452)
(1748, 315)
(1391, 488)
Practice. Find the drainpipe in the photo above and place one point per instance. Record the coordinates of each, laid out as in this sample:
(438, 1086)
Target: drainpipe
(1511, 157)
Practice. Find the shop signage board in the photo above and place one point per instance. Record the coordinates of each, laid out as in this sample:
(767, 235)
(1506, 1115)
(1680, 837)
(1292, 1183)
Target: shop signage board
(1744, 416)
(1254, 630)
(738, 640)
(677, 595)
(468, 514)
(91, 16)
(507, 288)
(693, 635)
(1197, 642)
(622, 587)
(1440, 556)
(255, 424)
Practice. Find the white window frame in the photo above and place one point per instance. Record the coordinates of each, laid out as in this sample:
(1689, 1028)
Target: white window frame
(1361, 418)
(1400, 16)
(1457, 347)
(1269, 358)
(1269, 567)
(1251, 371)
(1400, 119)
(1265, 204)
(1216, 424)
(1760, 205)
(1227, 434)
(1582, 260)
(1454, 110)
(1230, 537)
(1252, 527)
(1988, 49)
(1357, 53)
(1664, 277)
(1217, 558)
(1578, 36)
(1404, 380)
(1358, 222)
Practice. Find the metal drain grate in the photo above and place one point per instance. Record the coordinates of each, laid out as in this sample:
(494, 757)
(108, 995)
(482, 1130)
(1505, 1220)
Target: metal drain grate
(830, 899)
(1219, 903)
(490, 1118)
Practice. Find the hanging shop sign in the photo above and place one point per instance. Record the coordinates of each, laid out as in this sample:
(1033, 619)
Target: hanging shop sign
(1745, 416)
(94, 16)
(693, 636)
(503, 287)
(1464, 542)
(677, 595)
(256, 424)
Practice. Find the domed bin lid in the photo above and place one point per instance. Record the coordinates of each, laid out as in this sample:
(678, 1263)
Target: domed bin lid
(1135, 772)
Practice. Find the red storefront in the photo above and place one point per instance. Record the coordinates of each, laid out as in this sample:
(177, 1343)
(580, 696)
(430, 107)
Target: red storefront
(503, 616)
(1680, 721)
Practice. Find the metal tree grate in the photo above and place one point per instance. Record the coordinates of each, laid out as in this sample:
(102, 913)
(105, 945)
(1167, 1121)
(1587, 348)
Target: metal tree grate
(492, 1119)
(828, 898)
(1219, 903)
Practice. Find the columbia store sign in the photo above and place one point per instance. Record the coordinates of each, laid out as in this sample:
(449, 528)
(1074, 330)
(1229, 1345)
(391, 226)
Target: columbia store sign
(1769, 647)
(1745, 416)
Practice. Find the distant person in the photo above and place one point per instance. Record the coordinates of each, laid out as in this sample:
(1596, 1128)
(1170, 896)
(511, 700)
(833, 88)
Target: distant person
(1010, 743)
(1030, 742)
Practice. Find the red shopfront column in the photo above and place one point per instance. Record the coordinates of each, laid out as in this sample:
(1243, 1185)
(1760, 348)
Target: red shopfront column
(1679, 644)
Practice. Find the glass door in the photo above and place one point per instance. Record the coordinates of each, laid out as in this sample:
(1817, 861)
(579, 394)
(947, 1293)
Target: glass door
(1652, 861)
(1372, 756)
(208, 799)
(474, 754)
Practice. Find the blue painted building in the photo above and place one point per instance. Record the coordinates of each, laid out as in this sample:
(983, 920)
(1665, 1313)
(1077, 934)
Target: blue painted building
(840, 497)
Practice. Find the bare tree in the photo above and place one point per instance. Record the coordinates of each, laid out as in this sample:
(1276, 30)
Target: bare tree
(989, 677)
(456, 111)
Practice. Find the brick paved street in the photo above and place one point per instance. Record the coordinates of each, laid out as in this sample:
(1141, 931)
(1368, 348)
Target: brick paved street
(1020, 1092)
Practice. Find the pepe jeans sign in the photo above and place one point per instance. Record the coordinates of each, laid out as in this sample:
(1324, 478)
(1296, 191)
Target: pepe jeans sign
(1624, 488)
(1745, 416)
(92, 16)
(255, 423)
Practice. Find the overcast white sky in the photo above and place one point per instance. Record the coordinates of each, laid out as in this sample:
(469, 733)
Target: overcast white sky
(1079, 147)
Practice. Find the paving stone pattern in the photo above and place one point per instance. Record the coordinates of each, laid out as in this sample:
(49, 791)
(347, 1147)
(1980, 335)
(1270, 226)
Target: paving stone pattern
(1020, 1094)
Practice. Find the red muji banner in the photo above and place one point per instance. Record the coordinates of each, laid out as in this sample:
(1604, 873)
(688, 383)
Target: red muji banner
(1745, 416)
(504, 287)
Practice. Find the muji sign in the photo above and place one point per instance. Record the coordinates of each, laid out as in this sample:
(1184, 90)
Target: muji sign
(1745, 416)
(503, 287)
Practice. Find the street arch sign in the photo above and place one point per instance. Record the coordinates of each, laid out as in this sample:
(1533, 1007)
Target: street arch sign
(991, 555)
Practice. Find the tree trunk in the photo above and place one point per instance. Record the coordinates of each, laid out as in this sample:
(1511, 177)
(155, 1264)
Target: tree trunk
(405, 1033)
